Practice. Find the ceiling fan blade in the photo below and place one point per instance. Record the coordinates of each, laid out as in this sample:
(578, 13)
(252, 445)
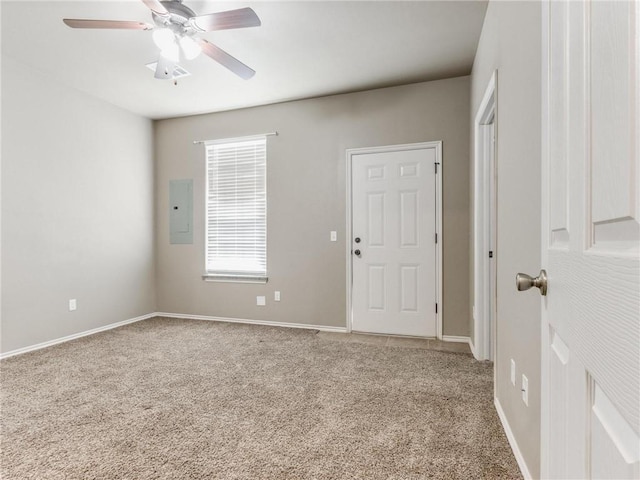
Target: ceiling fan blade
(120, 24)
(164, 69)
(156, 7)
(226, 60)
(241, 18)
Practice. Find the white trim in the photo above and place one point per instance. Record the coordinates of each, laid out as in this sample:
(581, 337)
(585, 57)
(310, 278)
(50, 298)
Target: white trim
(483, 233)
(397, 148)
(349, 230)
(473, 352)
(68, 338)
(219, 278)
(456, 339)
(439, 245)
(545, 414)
(512, 441)
(270, 323)
(218, 141)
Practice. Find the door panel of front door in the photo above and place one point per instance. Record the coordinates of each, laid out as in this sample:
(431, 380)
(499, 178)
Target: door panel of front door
(394, 215)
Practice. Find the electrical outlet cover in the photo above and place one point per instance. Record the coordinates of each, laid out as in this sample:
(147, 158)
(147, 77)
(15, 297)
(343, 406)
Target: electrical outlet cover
(261, 301)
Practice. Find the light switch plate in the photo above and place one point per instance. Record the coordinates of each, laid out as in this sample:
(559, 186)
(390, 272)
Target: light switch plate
(261, 301)
(276, 296)
(513, 372)
(334, 236)
(73, 305)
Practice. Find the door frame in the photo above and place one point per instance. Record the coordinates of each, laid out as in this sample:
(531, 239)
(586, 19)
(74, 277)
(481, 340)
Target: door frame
(544, 225)
(351, 153)
(485, 224)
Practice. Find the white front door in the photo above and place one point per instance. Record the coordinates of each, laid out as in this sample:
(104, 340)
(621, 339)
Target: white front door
(394, 260)
(591, 240)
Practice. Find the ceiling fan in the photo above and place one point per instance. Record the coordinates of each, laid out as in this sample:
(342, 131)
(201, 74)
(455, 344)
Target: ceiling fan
(176, 30)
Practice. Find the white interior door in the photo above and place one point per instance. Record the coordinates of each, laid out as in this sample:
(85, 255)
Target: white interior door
(591, 238)
(394, 260)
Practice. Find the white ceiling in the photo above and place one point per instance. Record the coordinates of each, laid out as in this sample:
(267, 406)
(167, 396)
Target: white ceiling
(303, 49)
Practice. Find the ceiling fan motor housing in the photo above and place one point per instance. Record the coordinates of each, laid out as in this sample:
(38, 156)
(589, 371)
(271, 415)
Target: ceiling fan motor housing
(177, 19)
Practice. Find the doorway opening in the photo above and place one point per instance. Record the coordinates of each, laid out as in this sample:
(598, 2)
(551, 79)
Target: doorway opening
(485, 225)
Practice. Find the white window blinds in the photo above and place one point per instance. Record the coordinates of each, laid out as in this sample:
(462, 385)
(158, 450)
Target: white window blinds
(237, 209)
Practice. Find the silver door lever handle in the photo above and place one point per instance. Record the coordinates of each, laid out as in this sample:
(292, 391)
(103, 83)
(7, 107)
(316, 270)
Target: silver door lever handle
(525, 282)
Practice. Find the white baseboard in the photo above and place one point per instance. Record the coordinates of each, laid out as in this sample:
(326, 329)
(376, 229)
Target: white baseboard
(473, 349)
(50, 343)
(455, 338)
(512, 441)
(252, 322)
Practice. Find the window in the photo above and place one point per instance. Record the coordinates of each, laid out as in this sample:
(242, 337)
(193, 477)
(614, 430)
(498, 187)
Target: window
(236, 238)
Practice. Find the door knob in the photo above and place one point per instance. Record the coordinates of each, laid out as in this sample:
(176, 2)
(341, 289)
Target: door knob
(525, 282)
(357, 252)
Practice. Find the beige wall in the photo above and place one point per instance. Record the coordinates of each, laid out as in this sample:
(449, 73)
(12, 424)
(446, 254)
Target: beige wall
(306, 199)
(510, 43)
(77, 211)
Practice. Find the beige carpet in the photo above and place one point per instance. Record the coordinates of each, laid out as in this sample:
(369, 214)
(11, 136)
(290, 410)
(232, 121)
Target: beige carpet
(181, 399)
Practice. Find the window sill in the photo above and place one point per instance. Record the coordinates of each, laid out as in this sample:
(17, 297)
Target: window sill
(210, 277)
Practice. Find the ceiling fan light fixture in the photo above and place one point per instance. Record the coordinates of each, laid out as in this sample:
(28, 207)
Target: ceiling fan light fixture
(163, 38)
(189, 47)
(171, 52)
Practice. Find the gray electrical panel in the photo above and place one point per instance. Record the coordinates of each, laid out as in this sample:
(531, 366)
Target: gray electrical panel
(181, 211)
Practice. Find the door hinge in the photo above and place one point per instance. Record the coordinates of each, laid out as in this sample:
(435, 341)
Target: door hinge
(436, 238)
(436, 165)
(436, 308)
(490, 253)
